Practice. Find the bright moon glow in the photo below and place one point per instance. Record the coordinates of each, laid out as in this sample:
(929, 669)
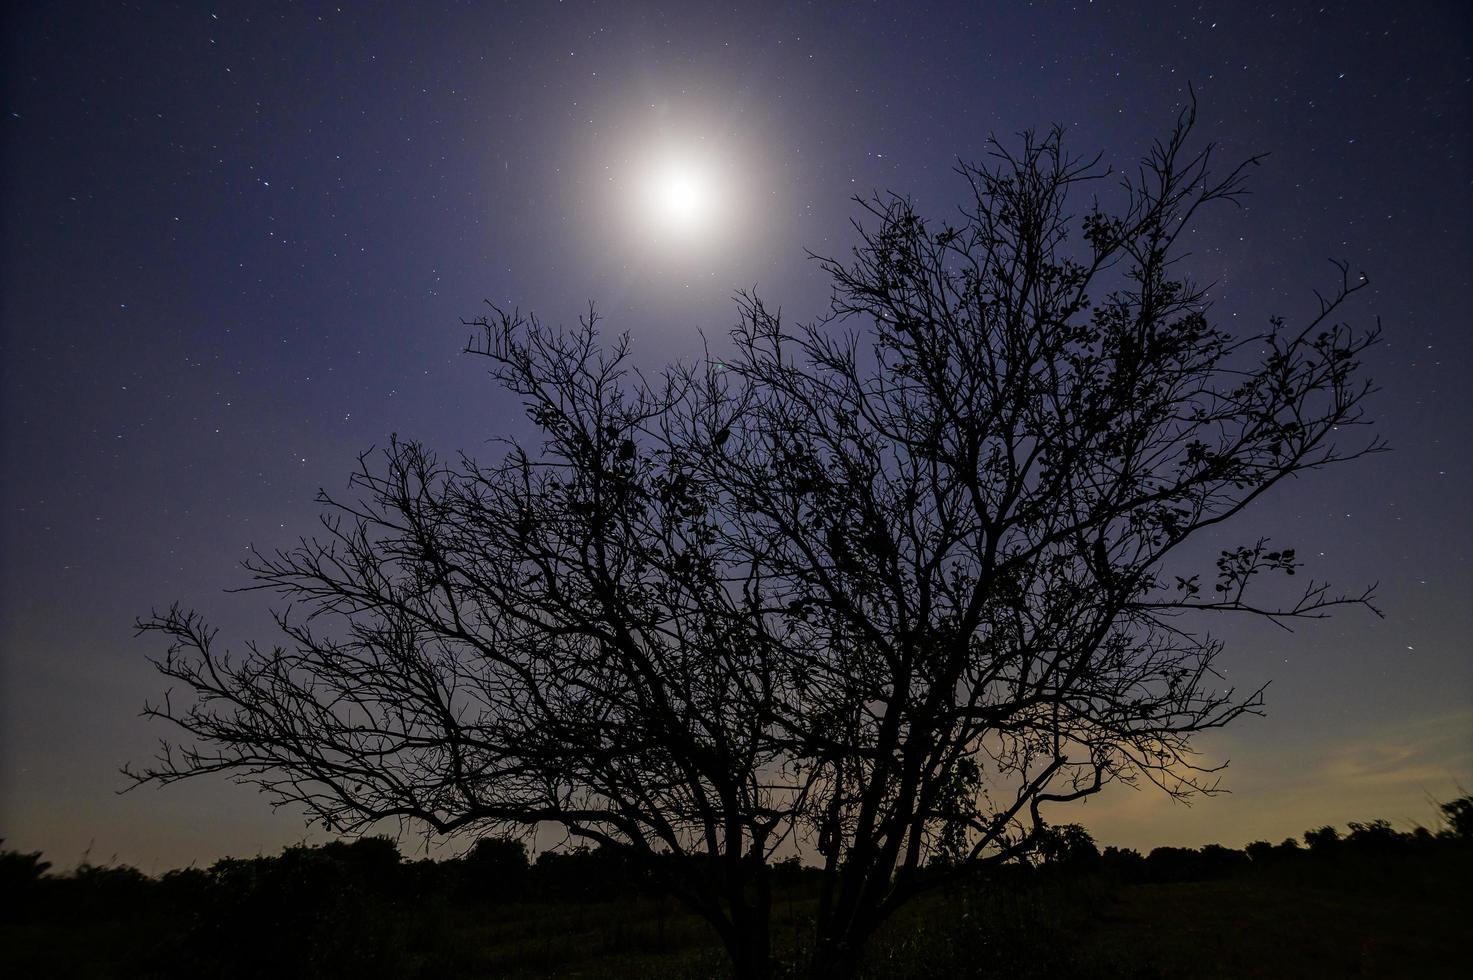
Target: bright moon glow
(682, 199)
(678, 198)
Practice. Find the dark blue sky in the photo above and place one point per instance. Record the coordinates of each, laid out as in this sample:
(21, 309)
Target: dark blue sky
(237, 246)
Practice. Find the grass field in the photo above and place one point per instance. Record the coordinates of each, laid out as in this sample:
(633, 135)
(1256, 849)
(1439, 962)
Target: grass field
(1357, 916)
(1360, 918)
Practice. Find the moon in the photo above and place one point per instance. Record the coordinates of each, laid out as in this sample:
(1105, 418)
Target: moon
(676, 195)
(682, 199)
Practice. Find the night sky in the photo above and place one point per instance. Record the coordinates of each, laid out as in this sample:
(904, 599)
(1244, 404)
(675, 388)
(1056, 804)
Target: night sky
(238, 245)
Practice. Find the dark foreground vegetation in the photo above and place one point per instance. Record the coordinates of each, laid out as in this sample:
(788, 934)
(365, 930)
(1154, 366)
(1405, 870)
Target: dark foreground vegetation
(1371, 902)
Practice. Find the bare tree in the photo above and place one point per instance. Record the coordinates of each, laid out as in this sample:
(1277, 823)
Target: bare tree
(880, 587)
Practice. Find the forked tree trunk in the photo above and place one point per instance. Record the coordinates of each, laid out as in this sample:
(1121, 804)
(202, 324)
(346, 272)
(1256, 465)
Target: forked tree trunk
(751, 952)
(840, 933)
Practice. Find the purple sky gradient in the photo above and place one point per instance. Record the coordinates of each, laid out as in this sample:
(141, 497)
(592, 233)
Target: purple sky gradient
(237, 247)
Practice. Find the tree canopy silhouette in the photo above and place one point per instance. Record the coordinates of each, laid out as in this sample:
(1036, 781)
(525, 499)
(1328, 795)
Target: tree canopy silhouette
(881, 586)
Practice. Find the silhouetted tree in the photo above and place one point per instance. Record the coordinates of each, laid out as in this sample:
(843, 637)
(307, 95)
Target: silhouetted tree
(886, 584)
(586, 874)
(1069, 847)
(1261, 852)
(1459, 817)
(325, 911)
(1125, 863)
(1376, 837)
(1323, 842)
(1174, 864)
(184, 888)
(1218, 860)
(493, 870)
(1289, 848)
(20, 878)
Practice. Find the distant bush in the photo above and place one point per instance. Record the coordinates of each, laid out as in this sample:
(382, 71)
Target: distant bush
(184, 888)
(20, 878)
(1261, 852)
(1173, 864)
(358, 909)
(587, 875)
(494, 870)
(329, 911)
(1459, 817)
(1123, 863)
(1376, 837)
(1068, 847)
(1323, 842)
(100, 889)
(1218, 860)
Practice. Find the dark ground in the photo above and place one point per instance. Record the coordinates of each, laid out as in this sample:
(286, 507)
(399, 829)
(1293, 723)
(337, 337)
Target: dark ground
(1353, 914)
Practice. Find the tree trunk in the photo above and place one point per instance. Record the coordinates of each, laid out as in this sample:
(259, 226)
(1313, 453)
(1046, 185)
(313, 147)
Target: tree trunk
(751, 952)
(840, 930)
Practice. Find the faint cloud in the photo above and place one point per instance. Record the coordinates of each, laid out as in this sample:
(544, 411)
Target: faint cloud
(1424, 753)
(1396, 771)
